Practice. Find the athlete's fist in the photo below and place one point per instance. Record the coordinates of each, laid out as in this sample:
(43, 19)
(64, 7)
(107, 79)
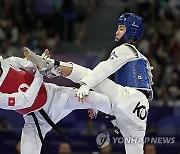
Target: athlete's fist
(82, 93)
(46, 56)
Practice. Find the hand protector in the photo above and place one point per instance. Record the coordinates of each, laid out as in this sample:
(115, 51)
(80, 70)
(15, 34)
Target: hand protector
(46, 56)
(82, 93)
(92, 113)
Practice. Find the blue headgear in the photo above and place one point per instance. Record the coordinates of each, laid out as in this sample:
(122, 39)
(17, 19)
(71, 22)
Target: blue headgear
(134, 26)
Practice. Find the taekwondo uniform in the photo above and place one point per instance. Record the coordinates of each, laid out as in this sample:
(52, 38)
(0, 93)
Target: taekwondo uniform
(24, 92)
(129, 93)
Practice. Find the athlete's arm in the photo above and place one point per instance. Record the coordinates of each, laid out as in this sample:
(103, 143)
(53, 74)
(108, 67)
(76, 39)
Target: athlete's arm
(120, 56)
(20, 100)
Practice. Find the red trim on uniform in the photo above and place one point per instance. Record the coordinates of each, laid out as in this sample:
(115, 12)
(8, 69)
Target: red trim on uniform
(12, 82)
(38, 103)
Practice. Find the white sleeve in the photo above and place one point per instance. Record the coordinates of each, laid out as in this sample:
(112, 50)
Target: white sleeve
(22, 63)
(20, 100)
(119, 56)
(78, 72)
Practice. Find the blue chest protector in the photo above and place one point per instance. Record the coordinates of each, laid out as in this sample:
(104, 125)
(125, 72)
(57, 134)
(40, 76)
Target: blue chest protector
(134, 74)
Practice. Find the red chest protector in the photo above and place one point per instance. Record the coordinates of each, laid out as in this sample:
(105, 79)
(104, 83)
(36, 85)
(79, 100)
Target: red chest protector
(12, 83)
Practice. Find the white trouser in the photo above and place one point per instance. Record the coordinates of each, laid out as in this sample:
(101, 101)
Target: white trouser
(129, 107)
(61, 101)
(131, 111)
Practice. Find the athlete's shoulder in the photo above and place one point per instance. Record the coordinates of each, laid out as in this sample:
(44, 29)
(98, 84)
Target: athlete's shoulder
(121, 47)
(9, 59)
(123, 50)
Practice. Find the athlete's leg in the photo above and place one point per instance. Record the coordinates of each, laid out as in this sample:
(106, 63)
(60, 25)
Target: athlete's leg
(133, 136)
(95, 100)
(30, 141)
(42, 64)
(63, 103)
(73, 72)
(68, 102)
(131, 115)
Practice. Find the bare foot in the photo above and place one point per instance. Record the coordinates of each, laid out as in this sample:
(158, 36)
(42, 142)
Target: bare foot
(42, 64)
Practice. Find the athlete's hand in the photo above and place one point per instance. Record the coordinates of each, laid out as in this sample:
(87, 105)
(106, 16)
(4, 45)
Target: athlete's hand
(82, 93)
(92, 113)
(46, 55)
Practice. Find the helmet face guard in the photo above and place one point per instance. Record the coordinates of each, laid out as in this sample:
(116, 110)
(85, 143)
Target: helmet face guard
(134, 26)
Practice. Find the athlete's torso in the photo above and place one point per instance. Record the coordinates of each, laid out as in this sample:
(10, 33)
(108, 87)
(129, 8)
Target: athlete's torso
(135, 73)
(18, 80)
